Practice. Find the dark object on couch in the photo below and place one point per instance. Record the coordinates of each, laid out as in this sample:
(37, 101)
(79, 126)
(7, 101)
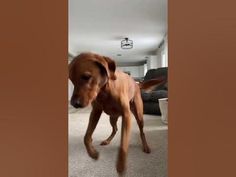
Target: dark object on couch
(150, 99)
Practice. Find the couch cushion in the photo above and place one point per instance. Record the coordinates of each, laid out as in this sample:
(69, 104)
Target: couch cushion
(153, 96)
(151, 108)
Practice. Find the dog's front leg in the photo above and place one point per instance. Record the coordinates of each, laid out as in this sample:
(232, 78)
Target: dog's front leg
(125, 135)
(93, 120)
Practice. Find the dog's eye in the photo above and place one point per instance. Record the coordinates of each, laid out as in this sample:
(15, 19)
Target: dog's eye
(85, 77)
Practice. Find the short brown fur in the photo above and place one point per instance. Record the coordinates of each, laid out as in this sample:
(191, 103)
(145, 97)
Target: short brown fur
(97, 81)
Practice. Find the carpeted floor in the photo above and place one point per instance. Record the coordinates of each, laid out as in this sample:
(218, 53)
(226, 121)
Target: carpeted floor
(139, 163)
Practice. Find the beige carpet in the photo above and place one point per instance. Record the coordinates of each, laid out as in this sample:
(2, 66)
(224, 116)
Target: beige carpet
(139, 163)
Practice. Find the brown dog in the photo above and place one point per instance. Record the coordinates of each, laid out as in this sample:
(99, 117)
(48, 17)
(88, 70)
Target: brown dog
(97, 81)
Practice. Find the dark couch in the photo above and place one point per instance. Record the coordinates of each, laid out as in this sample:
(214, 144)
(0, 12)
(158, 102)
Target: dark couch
(150, 100)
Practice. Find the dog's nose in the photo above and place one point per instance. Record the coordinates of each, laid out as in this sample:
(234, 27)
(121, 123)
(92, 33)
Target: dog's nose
(76, 104)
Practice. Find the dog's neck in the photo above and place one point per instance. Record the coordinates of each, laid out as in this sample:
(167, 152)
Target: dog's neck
(105, 88)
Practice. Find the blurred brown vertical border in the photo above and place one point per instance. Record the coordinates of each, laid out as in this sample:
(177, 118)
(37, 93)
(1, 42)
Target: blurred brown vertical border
(202, 85)
(33, 88)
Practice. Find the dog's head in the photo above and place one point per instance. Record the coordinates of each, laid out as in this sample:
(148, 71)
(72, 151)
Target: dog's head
(89, 73)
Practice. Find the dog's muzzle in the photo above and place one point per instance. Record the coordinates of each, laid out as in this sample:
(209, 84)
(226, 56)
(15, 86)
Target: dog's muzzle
(76, 104)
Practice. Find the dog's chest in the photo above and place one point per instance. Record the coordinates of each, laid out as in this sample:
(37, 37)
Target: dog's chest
(111, 110)
(109, 103)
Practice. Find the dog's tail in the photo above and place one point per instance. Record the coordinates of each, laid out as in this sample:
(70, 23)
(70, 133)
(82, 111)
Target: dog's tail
(152, 83)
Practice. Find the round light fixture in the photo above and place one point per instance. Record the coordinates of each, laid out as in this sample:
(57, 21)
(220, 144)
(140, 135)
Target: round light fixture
(126, 43)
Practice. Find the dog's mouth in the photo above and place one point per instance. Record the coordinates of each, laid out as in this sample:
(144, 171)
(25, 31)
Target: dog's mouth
(77, 106)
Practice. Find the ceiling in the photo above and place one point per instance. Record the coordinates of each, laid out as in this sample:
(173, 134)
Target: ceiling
(100, 25)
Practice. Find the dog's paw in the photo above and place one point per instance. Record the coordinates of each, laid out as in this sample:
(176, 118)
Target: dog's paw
(103, 143)
(94, 154)
(146, 149)
(120, 167)
(121, 162)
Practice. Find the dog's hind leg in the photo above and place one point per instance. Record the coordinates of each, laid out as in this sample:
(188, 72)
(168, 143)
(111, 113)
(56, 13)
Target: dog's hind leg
(113, 121)
(137, 110)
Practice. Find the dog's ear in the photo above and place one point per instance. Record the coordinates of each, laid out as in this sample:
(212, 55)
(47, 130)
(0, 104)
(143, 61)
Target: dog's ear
(106, 65)
(111, 66)
(71, 69)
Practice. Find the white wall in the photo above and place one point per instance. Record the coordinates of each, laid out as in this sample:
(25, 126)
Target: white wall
(162, 53)
(165, 51)
(154, 62)
(135, 71)
(157, 61)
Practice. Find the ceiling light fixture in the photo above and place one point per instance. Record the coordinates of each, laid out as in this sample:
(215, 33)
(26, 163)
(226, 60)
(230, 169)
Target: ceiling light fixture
(126, 43)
